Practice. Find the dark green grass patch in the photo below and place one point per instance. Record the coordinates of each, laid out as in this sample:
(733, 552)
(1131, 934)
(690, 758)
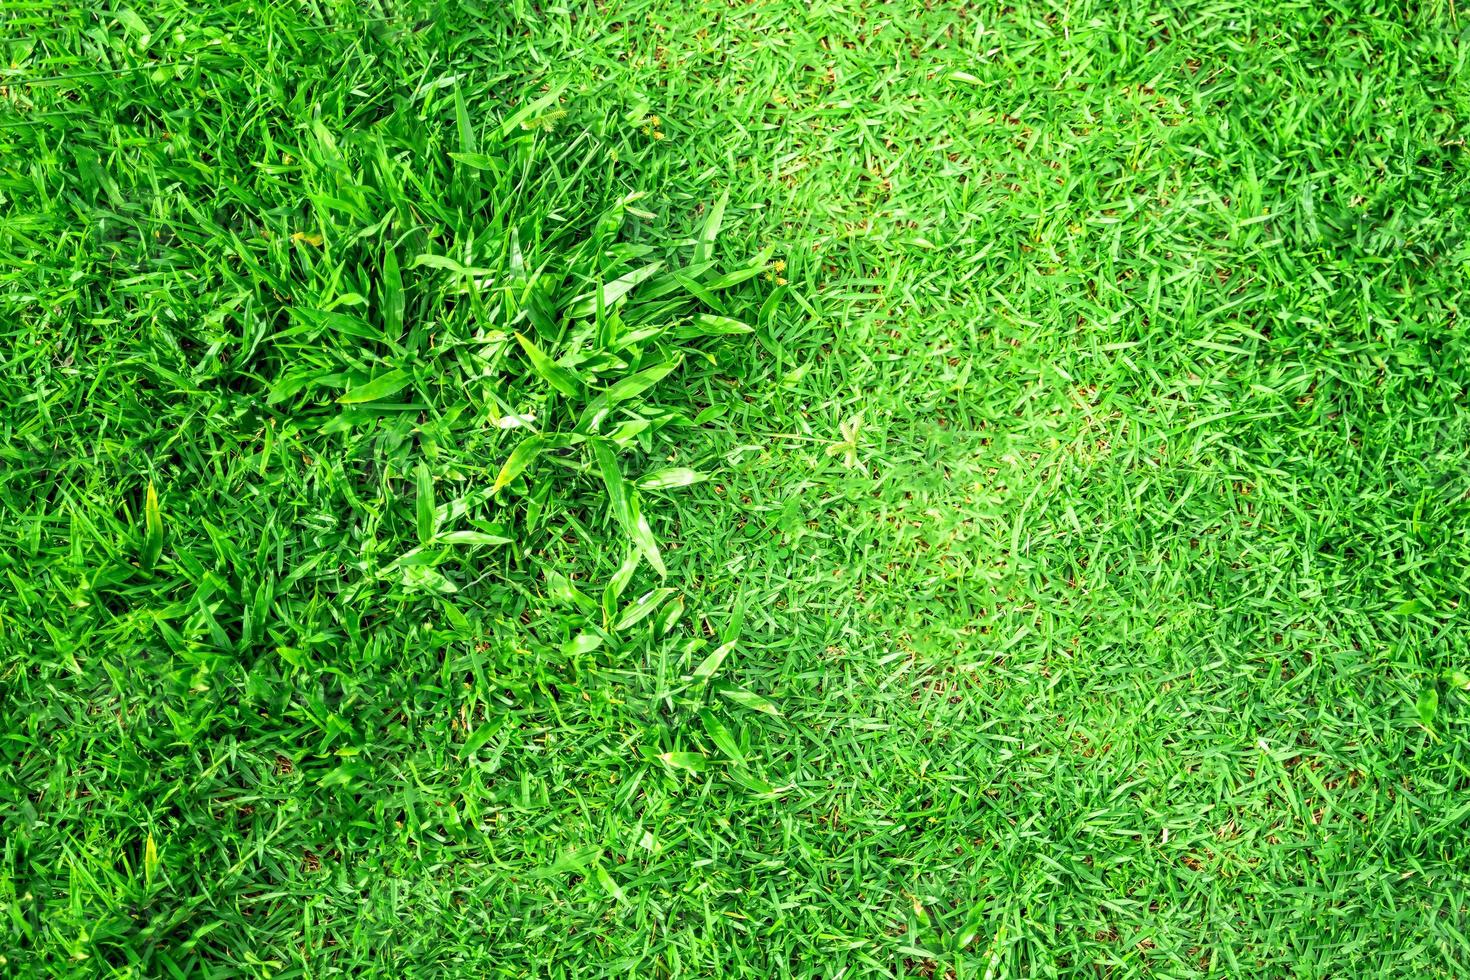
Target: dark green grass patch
(334, 466)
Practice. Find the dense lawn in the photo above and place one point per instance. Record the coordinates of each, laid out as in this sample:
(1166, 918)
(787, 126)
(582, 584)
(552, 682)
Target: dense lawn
(655, 488)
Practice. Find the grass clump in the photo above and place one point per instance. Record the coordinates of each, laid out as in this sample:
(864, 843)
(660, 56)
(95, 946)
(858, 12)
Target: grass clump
(339, 376)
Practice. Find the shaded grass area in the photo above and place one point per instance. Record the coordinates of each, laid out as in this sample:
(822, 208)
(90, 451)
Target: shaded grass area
(1084, 531)
(328, 397)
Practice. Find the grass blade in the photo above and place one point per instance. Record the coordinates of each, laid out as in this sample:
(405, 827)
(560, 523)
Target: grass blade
(704, 250)
(748, 699)
(393, 300)
(711, 664)
(588, 304)
(720, 735)
(473, 538)
(425, 503)
(671, 477)
(554, 374)
(625, 506)
(152, 530)
(711, 325)
(562, 590)
(520, 458)
(688, 761)
(377, 389)
(641, 608)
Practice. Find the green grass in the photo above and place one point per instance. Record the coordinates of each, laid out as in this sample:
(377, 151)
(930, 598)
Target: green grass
(1017, 523)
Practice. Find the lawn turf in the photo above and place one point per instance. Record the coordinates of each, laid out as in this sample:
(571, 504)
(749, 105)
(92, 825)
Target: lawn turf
(1075, 587)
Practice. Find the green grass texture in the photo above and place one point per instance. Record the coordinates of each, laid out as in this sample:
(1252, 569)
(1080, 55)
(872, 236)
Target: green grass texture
(720, 488)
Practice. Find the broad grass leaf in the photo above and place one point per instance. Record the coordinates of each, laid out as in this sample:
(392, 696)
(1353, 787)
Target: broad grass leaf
(608, 885)
(720, 736)
(670, 616)
(737, 620)
(618, 494)
(626, 507)
(530, 110)
(476, 161)
(644, 539)
(152, 530)
(343, 324)
(753, 783)
(130, 20)
(560, 588)
(711, 325)
(391, 293)
(671, 477)
(619, 582)
(588, 303)
(751, 700)
(444, 263)
(482, 735)
(705, 247)
(710, 664)
(641, 608)
(572, 860)
(150, 860)
(636, 384)
(473, 538)
(425, 578)
(377, 389)
(691, 761)
(520, 458)
(344, 775)
(552, 373)
(1427, 706)
(755, 267)
(425, 503)
(582, 643)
